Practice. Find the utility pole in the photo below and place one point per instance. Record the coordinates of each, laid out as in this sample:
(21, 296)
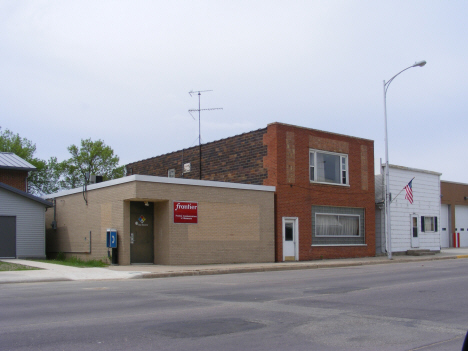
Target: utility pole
(199, 122)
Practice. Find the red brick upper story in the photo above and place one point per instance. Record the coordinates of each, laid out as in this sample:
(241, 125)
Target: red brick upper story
(15, 178)
(307, 157)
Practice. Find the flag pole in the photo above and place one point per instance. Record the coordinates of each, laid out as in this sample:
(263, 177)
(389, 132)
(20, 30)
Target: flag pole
(401, 190)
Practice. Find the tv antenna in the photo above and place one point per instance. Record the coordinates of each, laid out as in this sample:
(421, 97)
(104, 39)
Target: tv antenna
(198, 92)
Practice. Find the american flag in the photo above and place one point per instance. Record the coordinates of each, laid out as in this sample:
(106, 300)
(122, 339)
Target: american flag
(409, 191)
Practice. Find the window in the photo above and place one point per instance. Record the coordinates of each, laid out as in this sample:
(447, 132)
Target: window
(428, 224)
(328, 167)
(171, 173)
(338, 226)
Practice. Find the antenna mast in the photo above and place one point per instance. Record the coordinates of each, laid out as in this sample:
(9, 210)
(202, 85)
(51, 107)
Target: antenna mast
(198, 92)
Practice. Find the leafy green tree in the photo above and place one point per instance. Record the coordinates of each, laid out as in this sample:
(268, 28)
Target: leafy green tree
(42, 181)
(46, 180)
(22, 147)
(93, 157)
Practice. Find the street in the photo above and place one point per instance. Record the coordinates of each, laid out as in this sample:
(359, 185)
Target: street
(403, 306)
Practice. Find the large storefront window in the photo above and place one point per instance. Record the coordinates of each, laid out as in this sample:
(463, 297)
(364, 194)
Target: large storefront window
(337, 226)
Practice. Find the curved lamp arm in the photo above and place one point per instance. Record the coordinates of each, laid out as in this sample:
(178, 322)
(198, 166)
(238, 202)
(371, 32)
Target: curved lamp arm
(417, 64)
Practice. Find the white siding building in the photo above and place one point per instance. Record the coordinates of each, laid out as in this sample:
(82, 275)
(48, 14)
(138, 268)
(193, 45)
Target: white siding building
(22, 224)
(413, 226)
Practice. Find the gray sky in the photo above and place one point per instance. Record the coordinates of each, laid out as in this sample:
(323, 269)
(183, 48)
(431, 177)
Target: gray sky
(121, 71)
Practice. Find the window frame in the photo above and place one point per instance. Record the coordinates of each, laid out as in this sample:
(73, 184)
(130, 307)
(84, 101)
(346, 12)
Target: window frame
(434, 224)
(344, 170)
(339, 215)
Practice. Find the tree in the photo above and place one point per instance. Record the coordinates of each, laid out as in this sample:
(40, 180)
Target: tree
(42, 181)
(46, 180)
(22, 147)
(93, 157)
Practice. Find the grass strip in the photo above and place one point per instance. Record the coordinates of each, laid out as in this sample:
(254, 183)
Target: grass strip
(76, 262)
(6, 267)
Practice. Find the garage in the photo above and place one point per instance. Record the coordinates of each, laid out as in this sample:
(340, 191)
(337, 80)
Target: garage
(461, 224)
(454, 199)
(22, 224)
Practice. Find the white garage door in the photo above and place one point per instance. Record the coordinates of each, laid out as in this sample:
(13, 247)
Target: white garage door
(461, 224)
(444, 226)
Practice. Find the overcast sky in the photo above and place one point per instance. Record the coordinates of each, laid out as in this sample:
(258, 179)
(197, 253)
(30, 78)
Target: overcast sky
(121, 71)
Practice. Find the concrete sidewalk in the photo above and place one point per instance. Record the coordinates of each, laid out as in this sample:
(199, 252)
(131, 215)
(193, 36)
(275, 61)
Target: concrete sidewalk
(55, 272)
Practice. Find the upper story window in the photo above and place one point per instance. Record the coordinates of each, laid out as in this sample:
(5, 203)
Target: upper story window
(328, 167)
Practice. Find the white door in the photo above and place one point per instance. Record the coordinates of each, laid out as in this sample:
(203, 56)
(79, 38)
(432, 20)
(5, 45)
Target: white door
(290, 239)
(461, 224)
(444, 226)
(414, 232)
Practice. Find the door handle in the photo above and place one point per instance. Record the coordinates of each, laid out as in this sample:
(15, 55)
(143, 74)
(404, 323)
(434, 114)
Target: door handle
(132, 238)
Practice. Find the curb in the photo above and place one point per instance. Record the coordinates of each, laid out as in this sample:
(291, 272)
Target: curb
(237, 270)
(45, 280)
(199, 272)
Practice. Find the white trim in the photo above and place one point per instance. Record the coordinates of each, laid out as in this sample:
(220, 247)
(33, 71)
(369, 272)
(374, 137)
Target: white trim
(296, 237)
(341, 156)
(403, 168)
(163, 180)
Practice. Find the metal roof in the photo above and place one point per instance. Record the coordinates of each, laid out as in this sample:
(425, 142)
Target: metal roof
(26, 195)
(9, 160)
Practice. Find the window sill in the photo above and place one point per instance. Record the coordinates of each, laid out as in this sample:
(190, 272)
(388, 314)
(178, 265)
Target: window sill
(334, 184)
(322, 245)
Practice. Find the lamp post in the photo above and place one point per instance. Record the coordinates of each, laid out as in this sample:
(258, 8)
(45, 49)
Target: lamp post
(387, 170)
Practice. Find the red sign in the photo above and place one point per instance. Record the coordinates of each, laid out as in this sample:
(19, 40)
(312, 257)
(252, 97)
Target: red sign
(185, 212)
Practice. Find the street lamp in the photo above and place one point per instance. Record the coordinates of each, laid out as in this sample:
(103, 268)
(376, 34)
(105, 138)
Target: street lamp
(387, 171)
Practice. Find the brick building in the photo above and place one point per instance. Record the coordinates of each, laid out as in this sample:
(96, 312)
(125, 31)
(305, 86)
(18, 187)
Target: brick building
(324, 203)
(220, 222)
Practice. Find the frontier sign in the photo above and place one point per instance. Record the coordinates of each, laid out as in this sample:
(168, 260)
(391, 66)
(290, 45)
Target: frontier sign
(185, 212)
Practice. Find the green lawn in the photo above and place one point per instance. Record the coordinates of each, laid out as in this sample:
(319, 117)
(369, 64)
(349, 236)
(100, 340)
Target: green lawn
(5, 266)
(76, 262)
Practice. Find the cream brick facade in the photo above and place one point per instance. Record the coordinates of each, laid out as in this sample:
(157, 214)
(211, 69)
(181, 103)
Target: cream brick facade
(235, 221)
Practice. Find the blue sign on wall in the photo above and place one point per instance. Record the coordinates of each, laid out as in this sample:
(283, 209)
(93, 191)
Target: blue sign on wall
(112, 238)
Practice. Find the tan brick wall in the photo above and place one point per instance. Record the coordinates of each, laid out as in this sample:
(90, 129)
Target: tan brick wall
(78, 223)
(214, 239)
(234, 225)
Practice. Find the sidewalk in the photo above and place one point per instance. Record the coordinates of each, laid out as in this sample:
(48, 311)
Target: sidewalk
(55, 272)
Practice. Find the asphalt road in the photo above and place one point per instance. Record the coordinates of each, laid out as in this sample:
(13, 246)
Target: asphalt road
(405, 306)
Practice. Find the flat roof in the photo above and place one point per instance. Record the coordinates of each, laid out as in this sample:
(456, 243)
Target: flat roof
(163, 180)
(9, 160)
